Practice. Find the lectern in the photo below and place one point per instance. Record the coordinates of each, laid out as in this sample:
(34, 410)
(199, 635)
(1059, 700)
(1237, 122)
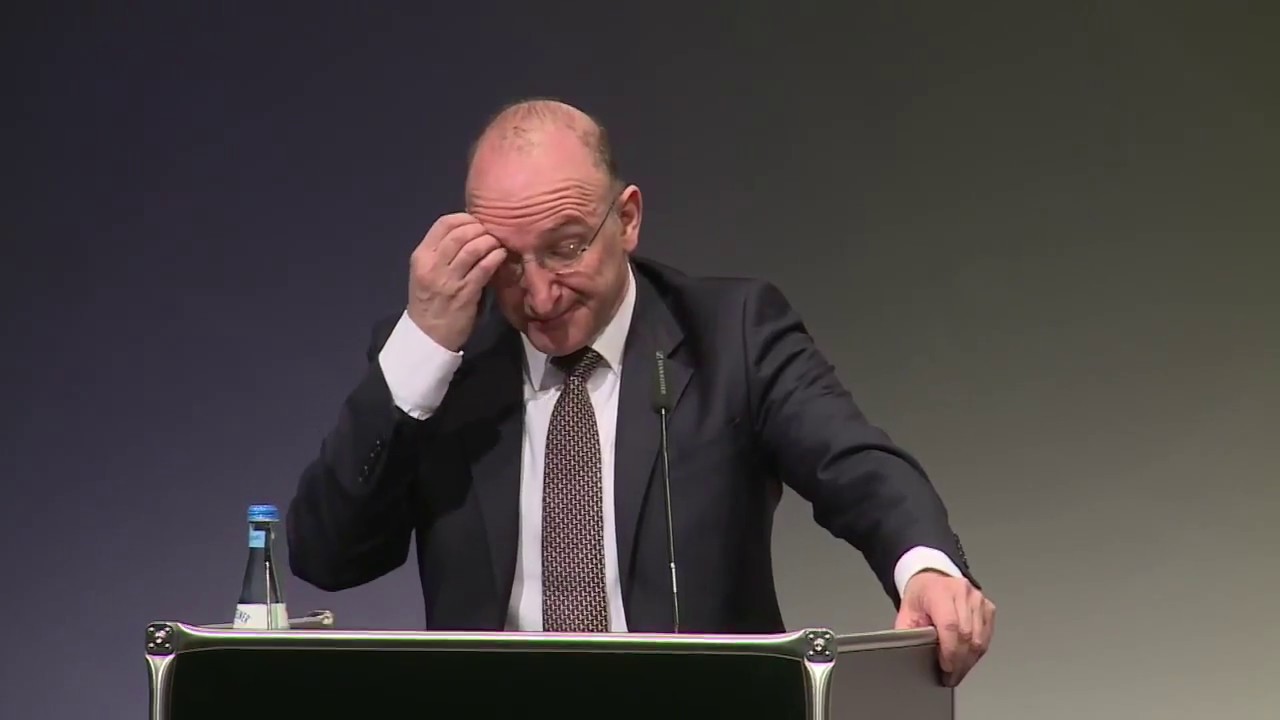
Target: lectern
(317, 671)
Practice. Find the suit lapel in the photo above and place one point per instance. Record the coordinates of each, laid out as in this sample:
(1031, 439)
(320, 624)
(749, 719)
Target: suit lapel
(652, 330)
(496, 425)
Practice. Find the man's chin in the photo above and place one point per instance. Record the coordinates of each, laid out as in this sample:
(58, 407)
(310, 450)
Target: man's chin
(553, 338)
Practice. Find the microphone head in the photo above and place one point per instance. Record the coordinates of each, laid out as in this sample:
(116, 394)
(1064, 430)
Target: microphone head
(661, 400)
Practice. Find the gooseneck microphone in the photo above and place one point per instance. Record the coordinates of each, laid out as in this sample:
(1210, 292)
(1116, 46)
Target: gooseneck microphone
(662, 404)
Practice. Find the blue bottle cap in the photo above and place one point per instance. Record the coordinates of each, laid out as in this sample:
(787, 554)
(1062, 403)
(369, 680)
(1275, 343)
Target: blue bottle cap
(263, 513)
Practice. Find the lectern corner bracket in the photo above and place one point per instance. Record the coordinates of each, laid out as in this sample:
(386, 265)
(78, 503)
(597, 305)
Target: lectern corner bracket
(160, 639)
(822, 646)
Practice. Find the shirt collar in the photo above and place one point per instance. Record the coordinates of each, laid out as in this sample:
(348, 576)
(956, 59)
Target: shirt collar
(609, 343)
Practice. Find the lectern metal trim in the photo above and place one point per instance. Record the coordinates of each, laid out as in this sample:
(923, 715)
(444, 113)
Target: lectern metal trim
(886, 639)
(817, 649)
(170, 638)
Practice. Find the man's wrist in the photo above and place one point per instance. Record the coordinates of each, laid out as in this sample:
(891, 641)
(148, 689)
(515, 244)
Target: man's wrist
(922, 559)
(417, 369)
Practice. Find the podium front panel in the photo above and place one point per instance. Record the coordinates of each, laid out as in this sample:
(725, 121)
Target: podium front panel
(199, 673)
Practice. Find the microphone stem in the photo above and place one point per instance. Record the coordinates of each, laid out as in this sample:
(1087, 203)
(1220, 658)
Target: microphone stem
(671, 542)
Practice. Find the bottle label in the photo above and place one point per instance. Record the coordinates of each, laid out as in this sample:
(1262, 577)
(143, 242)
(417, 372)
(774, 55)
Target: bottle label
(259, 616)
(257, 538)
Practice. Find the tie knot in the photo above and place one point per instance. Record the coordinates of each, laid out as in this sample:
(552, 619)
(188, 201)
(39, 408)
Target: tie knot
(578, 366)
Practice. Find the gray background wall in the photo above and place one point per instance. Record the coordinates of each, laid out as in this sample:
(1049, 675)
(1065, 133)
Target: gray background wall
(1038, 242)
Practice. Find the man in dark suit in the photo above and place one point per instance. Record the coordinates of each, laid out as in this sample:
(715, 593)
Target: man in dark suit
(506, 419)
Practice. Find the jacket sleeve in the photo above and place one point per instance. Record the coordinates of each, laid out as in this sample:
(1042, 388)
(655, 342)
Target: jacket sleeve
(351, 518)
(862, 487)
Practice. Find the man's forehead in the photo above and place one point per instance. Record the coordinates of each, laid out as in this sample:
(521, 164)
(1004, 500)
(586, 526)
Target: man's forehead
(552, 222)
(524, 185)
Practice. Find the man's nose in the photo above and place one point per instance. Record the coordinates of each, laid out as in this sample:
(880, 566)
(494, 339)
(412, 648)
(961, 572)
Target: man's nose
(540, 290)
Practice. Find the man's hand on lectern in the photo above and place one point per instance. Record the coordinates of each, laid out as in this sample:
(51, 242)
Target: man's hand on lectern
(963, 616)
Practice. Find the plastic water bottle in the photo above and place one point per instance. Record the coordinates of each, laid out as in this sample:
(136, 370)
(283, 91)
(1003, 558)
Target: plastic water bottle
(261, 604)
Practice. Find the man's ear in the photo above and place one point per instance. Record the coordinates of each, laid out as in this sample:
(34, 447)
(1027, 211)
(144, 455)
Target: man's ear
(630, 212)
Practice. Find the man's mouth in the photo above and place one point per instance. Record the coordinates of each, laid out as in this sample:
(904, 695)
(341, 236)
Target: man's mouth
(549, 319)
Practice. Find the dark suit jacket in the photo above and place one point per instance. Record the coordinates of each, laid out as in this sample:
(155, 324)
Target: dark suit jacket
(757, 405)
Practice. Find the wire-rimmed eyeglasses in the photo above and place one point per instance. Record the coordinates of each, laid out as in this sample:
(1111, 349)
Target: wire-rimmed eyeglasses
(563, 257)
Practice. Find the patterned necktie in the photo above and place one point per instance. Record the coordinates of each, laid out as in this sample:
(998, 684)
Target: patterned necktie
(573, 588)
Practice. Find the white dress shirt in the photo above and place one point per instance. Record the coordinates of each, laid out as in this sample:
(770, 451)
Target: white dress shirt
(418, 371)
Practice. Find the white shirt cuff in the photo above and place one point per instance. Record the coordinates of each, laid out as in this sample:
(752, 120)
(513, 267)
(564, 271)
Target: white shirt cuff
(416, 368)
(922, 558)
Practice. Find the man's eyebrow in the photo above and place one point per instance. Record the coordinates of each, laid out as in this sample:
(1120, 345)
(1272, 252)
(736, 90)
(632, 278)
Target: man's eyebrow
(570, 223)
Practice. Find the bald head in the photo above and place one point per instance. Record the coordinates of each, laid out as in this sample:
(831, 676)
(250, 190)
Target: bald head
(528, 126)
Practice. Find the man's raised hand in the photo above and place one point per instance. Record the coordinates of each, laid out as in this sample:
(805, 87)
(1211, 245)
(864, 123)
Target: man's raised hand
(447, 274)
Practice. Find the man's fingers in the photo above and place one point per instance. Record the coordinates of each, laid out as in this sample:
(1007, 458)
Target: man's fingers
(974, 626)
(981, 630)
(907, 620)
(455, 241)
(955, 677)
(954, 654)
(961, 657)
(964, 620)
(483, 270)
(471, 253)
(444, 225)
(945, 620)
(987, 612)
